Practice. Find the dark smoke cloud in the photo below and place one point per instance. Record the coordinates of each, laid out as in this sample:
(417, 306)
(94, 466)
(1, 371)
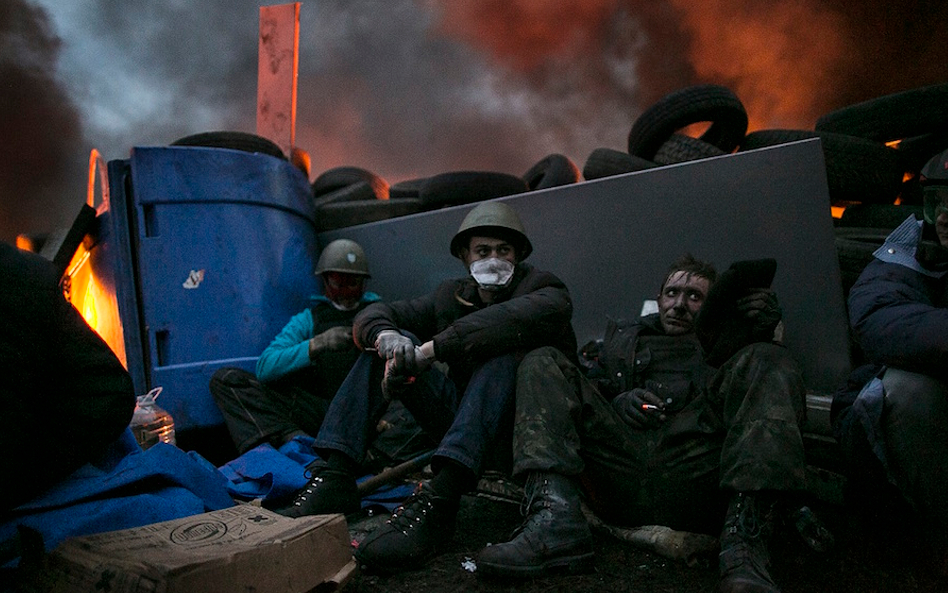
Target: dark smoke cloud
(409, 88)
(40, 124)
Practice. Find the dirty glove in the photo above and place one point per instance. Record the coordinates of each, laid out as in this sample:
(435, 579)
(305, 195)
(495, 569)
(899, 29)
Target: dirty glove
(640, 409)
(399, 373)
(761, 309)
(334, 338)
(388, 340)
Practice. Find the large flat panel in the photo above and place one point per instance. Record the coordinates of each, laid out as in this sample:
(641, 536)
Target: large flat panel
(612, 239)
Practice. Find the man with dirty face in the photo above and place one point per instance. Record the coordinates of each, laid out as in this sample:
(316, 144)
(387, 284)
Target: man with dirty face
(658, 432)
(479, 327)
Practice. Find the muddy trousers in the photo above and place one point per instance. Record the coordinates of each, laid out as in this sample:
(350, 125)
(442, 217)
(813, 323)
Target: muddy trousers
(257, 413)
(741, 433)
(466, 421)
(909, 444)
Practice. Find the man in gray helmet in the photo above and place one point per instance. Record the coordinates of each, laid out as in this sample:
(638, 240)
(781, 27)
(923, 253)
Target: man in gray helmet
(479, 326)
(299, 372)
(892, 423)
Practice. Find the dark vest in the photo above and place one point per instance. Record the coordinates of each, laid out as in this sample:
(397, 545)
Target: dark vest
(327, 370)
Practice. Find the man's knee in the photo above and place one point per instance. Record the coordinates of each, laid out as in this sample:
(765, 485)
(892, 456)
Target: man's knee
(914, 397)
(541, 360)
(226, 379)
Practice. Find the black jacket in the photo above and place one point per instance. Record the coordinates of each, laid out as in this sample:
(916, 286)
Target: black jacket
(64, 396)
(534, 310)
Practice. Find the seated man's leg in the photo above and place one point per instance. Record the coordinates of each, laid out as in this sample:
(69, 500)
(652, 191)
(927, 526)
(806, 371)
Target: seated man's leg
(915, 427)
(253, 412)
(467, 429)
(341, 443)
(763, 403)
(552, 399)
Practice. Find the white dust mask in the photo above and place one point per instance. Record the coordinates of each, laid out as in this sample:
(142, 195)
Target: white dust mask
(492, 273)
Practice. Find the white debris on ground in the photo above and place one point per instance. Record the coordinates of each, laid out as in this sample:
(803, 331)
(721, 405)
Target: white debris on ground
(468, 564)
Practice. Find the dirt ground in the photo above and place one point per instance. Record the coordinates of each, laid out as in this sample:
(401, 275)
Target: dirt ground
(862, 560)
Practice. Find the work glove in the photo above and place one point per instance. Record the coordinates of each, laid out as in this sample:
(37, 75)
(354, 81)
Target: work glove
(388, 340)
(334, 338)
(639, 408)
(406, 363)
(761, 309)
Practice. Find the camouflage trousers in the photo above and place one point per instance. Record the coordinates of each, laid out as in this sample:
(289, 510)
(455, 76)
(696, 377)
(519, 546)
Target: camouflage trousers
(741, 433)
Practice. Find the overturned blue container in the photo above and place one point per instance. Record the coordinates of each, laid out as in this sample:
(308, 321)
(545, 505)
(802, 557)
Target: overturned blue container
(220, 247)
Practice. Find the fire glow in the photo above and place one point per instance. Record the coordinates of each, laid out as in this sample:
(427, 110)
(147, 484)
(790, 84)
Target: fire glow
(97, 305)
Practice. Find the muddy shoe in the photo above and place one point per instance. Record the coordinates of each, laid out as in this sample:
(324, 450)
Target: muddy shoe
(554, 536)
(416, 532)
(327, 492)
(744, 558)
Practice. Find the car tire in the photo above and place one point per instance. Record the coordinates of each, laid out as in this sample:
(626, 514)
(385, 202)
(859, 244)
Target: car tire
(710, 102)
(680, 148)
(857, 170)
(339, 178)
(606, 162)
(551, 171)
(234, 140)
(350, 213)
(465, 187)
(891, 117)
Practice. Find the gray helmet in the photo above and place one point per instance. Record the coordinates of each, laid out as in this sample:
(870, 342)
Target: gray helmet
(343, 255)
(933, 179)
(492, 219)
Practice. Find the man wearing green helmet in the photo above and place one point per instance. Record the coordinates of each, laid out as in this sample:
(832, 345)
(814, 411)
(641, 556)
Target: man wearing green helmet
(480, 326)
(892, 423)
(299, 372)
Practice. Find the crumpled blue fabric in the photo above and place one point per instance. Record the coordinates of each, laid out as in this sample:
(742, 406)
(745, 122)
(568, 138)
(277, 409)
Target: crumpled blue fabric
(271, 474)
(868, 409)
(126, 487)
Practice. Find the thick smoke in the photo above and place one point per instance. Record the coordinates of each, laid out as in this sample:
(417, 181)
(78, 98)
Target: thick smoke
(39, 154)
(409, 88)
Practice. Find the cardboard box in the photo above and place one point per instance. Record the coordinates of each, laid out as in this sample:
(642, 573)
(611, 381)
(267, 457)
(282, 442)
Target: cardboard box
(243, 548)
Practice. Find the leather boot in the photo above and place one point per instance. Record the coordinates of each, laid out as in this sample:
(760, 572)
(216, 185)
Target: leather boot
(744, 557)
(554, 534)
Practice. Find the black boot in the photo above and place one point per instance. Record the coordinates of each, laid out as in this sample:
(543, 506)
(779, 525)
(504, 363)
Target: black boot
(327, 492)
(554, 535)
(417, 532)
(744, 558)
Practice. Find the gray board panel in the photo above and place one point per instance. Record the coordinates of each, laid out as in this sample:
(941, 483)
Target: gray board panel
(611, 240)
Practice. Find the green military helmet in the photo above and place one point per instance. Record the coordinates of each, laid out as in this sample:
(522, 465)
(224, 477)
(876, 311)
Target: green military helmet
(343, 255)
(492, 219)
(934, 181)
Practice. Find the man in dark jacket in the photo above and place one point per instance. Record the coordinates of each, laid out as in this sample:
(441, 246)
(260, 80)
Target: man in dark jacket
(64, 396)
(894, 430)
(298, 374)
(479, 326)
(658, 435)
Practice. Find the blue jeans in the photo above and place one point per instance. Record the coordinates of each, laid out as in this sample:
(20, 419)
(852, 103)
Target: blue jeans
(467, 420)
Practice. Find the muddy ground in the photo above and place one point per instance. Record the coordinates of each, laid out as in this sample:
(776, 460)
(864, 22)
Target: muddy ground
(863, 559)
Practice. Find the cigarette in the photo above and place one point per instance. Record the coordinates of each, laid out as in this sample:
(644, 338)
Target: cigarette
(649, 407)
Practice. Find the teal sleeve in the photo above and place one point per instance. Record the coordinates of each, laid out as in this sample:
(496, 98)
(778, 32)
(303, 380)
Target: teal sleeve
(289, 350)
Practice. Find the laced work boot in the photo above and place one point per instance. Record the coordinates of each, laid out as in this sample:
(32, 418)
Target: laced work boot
(327, 492)
(553, 537)
(744, 558)
(417, 531)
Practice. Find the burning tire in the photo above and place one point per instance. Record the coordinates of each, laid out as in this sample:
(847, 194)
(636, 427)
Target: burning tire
(551, 171)
(892, 117)
(365, 184)
(605, 162)
(465, 187)
(343, 214)
(857, 170)
(703, 103)
(234, 140)
(680, 148)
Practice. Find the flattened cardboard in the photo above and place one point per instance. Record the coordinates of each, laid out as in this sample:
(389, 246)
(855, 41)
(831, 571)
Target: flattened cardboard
(243, 548)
